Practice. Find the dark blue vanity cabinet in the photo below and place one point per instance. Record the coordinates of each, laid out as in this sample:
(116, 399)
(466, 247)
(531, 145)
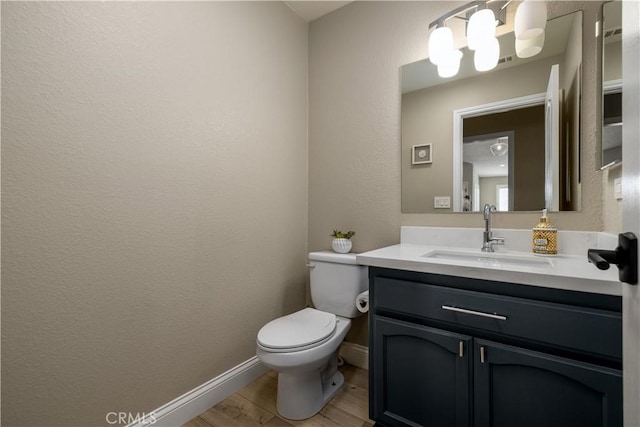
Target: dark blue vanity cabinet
(417, 376)
(450, 351)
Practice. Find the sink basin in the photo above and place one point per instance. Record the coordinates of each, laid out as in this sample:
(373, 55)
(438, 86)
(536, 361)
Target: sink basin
(496, 259)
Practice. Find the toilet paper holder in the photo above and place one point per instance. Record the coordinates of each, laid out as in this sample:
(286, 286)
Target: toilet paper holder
(362, 302)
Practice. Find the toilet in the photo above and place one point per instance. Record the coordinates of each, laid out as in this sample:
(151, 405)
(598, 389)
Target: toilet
(303, 346)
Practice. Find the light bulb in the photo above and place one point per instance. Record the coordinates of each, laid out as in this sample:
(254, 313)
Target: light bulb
(487, 56)
(529, 47)
(440, 44)
(481, 27)
(530, 20)
(450, 64)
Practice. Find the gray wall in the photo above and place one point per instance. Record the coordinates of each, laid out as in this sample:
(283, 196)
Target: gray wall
(354, 135)
(488, 189)
(612, 61)
(154, 198)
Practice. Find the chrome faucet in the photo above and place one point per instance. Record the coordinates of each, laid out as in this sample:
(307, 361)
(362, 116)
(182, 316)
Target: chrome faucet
(487, 237)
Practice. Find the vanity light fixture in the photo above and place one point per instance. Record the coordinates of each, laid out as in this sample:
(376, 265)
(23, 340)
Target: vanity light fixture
(530, 20)
(481, 36)
(481, 28)
(526, 48)
(442, 54)
(486, 56)
(440, 44)
(449, 65)
(481, 19)
(529, 25)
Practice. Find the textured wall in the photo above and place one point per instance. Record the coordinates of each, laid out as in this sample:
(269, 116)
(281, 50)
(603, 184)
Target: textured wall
(354, 132)
(154, 192)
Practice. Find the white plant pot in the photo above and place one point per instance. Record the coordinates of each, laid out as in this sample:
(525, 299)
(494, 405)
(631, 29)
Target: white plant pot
(341, 246)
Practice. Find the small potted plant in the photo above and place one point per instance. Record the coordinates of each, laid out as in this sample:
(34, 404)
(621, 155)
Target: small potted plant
(342, 241)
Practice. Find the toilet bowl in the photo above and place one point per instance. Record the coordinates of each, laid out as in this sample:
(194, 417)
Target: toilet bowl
(303, 346)
(308, 375)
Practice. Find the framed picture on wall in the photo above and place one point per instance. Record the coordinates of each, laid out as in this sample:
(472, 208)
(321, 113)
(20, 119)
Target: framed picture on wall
(421, 154)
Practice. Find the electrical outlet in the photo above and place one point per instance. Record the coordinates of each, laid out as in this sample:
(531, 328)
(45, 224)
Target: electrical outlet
(442, 202)
(617, 188)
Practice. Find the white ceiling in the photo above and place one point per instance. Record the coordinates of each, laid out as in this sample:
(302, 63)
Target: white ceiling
(310, 10)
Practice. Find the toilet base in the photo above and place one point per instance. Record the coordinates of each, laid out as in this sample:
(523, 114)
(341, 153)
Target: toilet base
(302, 395)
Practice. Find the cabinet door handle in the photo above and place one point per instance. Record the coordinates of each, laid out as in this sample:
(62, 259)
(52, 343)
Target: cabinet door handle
(474, 313)
(461, 349)
(481, 354)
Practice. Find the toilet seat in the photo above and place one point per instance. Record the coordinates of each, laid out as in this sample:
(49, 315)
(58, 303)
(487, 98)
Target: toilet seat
(298, 331)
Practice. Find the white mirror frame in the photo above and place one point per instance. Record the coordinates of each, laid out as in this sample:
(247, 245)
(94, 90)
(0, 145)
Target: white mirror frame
(480, 110)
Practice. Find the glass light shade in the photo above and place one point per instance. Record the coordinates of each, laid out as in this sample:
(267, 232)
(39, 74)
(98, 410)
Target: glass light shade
(487, 56)
(530, 20)
(481, 27)
(529, 47)
(440, 44)
(450, 64)
(499, 149)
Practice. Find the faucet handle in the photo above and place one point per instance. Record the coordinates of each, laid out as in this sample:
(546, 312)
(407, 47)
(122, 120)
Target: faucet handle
(488, 245)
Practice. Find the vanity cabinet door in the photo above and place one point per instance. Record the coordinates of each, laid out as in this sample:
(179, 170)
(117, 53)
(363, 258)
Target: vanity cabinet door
(420, 376)
(518, 387)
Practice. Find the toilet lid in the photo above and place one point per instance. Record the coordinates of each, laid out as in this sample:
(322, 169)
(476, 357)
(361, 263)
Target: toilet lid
(301, 328)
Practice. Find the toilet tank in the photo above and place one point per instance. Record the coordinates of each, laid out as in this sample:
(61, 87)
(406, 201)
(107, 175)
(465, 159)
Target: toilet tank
(335, 282)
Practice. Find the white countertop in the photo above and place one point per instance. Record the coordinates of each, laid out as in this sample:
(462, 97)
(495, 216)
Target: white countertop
(564, 271)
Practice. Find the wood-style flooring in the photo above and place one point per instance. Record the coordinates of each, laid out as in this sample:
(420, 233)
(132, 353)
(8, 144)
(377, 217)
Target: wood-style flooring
(255, 405)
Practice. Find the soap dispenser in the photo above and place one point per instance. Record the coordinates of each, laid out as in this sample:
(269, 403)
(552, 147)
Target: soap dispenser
(545, 237)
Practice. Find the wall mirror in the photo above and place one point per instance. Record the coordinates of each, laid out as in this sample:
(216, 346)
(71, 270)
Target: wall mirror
(611, 84)
(509, 137)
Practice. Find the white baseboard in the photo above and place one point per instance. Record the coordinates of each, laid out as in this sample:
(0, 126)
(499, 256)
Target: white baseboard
(355, 354)
(194, 402)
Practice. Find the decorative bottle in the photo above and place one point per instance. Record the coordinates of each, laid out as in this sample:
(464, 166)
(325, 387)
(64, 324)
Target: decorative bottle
(545, 237)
